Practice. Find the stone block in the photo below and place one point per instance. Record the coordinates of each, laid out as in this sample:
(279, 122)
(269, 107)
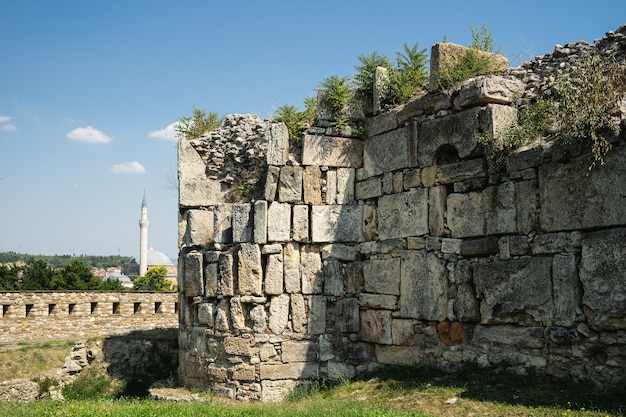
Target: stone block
(412, 179)
(195, 189)
(371, 188)
(223, 228)
(388, 183)
(332, 151)
(290, 184)
(516, 291)
(452, 246)
(238, 346)
(242, 223)
(453, 333)
(354, 277)
(430, 103)
(347, 315)
(312, 182)
(226, 266)
(193, 279)
(333, 278)
(304, 351)
(566, 292)
(370, 221)
(222, 316)
(272, 249)
(217, 373)
(461, 171)
(376, 326)
(403, 215)
(340, 371)
(279, 313)
(336, 223)
(291, 267)
(317, 314)
(423, 286)
(487, 89)
(403, 332)
(527, 205)
(199, 227)
(381, 123)
(211, 277)
(238, 315)
(311, 269)
(437, 210)
(300, 228)
(338, 251)
(276, 391)
(271, 183)
(274, 274)
(378, 301)
(260, 222)
(514, 337)
(345, 186)
(603, 276)
(479, 247)
(278, 144)
(205, 314)
(298, 313)
(391, 246)
(278, 222)
(244, 372)
(398, 355)
(386, 152)
(250, 271)
(295, 370)
(259, 319)
(382, 276)
(331, 187)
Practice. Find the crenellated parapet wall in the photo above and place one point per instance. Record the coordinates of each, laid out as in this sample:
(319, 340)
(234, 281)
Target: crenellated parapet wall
(30, 316)
(401, 248)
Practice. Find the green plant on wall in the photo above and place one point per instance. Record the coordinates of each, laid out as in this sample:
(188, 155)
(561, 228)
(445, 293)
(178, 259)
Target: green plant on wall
(364, 76)
(337, 93)
(297, 121)
(199, 123)
(408, 76)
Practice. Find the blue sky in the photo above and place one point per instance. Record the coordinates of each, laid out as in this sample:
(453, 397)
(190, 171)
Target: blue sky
(89, 88)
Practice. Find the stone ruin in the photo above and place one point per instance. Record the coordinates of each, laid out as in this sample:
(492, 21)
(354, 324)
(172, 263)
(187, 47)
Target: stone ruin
(402, 248)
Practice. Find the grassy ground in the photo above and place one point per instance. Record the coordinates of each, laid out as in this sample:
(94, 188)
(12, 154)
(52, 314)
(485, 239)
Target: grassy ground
(391, 392)
(30, 359)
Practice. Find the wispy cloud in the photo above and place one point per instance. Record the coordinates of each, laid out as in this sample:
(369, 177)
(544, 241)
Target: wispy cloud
(167, 133)
(129, 168)
(5, 125)
(88, 135)
(4, 119)
(9, 127)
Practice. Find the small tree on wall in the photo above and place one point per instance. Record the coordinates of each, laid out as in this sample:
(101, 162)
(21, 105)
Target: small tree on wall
(154, 280)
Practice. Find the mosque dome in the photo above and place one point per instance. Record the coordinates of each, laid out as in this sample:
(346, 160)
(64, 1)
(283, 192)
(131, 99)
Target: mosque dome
(155, 258)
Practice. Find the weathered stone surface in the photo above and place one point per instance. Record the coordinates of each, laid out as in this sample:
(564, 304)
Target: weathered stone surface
(333, 278)
(304, 351)
(237, 346)
(259, 319)
(517, 336)
(290, 184)
(404, 214)
(547, 243)
(223, 230)
(311, 269)
(354, 277)
(340, 371)
(278, 222)
(276, 391)
(516, 291)
(347, 315)
(437, 211)
(403, 332)
(491, 211)
(279, 313)
(566, 292)
(461, 171)
(260, 222)
(296, 370)
(332, 151)
(227, 274)
(412, 178)
(205, 314)
(199, 230)
(211, 278)
(222, 316)
(193, 280)
(317, 314)
(489, 89)
(300, 223)
(345, 186)
(242, 223)
(272, 249)
(378, 301)
(430, 103)
(382, 276)
(312, 182)
(479, 247)
(371, 188)
(398, 355)
(237, 315)
(271, 183)
(386, 152)
(298, 313)
(250, 271)
(381, 123)
(194, 188)
(338, 251)
(274, 274)
(603, 275)
(244, 372)
(370, 221)
(453, 333)
(291, 267)
(376, 326)
(527, 205)
(331, 187)
(423, 287)
(336, 223)
(278, 144)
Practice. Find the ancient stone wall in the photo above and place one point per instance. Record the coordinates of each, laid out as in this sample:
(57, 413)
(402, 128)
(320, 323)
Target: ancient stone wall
(402, 248)
(71, 314)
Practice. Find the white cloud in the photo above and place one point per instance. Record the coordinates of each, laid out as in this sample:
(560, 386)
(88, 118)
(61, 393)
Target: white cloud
(129, 168)
(167, 133)
(4, 119)
(89, 135)
(9, 127)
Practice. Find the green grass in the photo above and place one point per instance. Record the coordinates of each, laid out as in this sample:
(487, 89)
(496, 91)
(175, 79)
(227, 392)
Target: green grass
(30, 359)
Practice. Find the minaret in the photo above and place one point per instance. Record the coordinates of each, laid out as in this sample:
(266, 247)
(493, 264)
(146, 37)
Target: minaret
(143, 238)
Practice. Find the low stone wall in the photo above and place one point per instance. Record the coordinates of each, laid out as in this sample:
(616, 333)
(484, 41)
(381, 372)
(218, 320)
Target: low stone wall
(28, 316)
(403, 248)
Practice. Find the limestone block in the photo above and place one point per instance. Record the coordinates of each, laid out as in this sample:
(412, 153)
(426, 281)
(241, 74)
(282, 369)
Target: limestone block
(278, 222)
(333, 278)
(338, 251)
(546, 243)
(412, 179)
(304, 351)
(244, 372)
(193, 279)
(242, 223)
(211, 275)
(199, 227)
(459, 131)
(331, 187)
(403, 332)
(404, 214)
(430, 103)
(223, 228)
(336, 223)
(479, 247)
(388, 183)
(508, 336)
(371, 188)
(312, 182)
(398, 355)
(585, 201)
(340, 371)
(516, 291)
(276, 391)
(278, 144)
(392, 245)
(603, 276)
(491, 211)
(354, 277)
(437, 210)
(222, 316)
(272, 249)
(486, 89)
(271, 182)
(358, 105)
(259, 319)
(376, 326)
(295, 370)
(267, 352)
(382, 276)
(332, 151)
(461, 171)
(381, 123)
(423, 286)
(260, 222)
(217, 373)
(250, 271)
(290, 184)
(527, 204)
(238, 346)
(205, 314)
(298, 313)
(274, 274)
(300, 232)
(452, 246)
(279, 313)
(226, 266)
(566, 292)
(386, 152)
(345, 186)
(428, 176)
(378, 301)
(237, 315)
(347, 315)
(311, 269)
(291, 267)
(195, 189)
(370, 221)
(317, 314)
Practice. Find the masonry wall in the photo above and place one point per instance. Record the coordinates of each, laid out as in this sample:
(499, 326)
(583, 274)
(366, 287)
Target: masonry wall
(28, 316)
(401, 248)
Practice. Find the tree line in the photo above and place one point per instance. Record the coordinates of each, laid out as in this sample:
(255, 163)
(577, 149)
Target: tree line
(59, 261)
